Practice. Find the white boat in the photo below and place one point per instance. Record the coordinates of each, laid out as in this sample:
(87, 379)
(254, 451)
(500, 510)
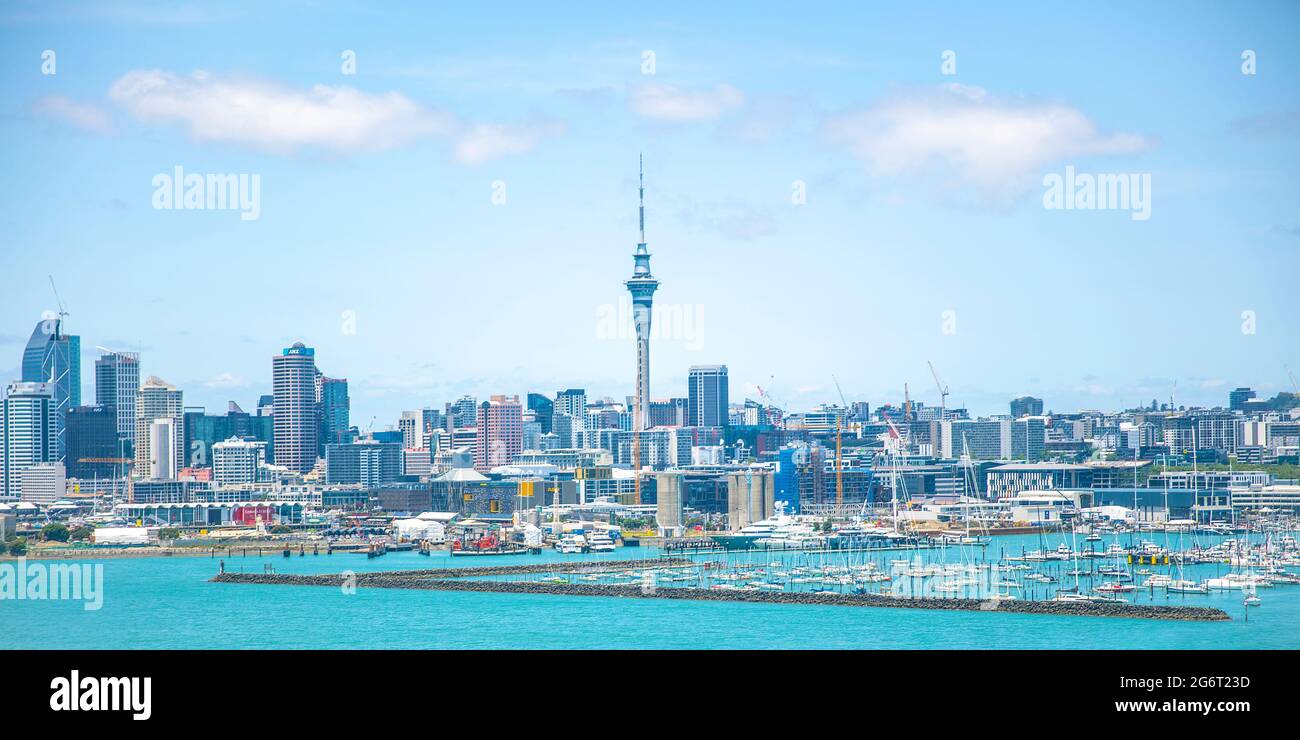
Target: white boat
(1187, 587)
(1116, 588)
(571, 544)
(600, 542)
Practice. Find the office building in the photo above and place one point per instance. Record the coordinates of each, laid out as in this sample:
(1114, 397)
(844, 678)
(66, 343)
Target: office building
(27, 426)
(94, 449)
(44, 483)
(363, 463)
(708, 397)
(293, 381)
(54, 357)
(117, 386)
(202, 431)
(543, 409)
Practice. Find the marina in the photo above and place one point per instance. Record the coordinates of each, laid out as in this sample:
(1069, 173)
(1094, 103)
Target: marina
(573, 601)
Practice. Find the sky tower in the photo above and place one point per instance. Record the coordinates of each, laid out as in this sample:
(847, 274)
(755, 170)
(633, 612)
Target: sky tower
(642, 286)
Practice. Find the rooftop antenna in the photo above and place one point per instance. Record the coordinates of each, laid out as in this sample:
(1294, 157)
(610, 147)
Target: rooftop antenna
(641, 193)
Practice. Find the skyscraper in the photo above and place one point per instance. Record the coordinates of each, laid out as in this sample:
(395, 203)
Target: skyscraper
(293, 380)
(543, 408)
(55, 358)
(573, 403)
(158, 399)
(642, 286)
(93, 442)
(463, 412)
(26, 432)
(335, 411)
(117, 384)
(410, 425)
(708, 398)
(500, 432)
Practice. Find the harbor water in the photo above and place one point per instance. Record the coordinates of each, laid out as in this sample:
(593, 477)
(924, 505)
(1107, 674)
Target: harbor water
(168, 602)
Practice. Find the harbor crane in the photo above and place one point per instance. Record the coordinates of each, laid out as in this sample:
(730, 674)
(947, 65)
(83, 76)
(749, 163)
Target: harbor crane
(943, 392)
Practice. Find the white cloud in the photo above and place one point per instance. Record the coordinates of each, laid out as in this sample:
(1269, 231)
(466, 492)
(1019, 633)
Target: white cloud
(272, 117)
(84, 116)
(484, 142)
(226, 380)
(969, 134)
(668, 103)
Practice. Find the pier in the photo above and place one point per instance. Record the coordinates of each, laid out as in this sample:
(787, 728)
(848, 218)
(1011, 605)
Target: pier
(467, 579)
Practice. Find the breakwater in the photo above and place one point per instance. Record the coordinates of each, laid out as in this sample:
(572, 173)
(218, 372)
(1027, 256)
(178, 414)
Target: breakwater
(440, 581)
(559, 566)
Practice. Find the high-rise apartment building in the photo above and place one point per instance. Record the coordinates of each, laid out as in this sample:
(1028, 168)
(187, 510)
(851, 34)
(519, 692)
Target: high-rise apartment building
(236, 461)
(335, 411)
(164, 462)
(500, 432)
(1026, 406)
(158, 399)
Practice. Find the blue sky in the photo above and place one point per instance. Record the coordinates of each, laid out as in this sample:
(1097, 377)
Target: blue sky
(923, 196)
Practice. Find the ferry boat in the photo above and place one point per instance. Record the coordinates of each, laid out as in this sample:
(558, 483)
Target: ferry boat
(571, 544)
(600, 542)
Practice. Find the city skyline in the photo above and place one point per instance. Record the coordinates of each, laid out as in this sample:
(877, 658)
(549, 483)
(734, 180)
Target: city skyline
(377, 249)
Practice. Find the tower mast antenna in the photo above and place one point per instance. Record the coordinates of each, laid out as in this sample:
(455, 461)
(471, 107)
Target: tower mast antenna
(641, 193)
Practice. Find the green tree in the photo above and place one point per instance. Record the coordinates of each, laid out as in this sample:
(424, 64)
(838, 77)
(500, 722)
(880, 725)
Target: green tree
(82, 533)
(281, 529)
(169, 533)
(17, 546)
(55, 532)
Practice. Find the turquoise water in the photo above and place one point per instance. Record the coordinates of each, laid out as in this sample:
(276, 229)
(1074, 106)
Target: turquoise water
(168, 603)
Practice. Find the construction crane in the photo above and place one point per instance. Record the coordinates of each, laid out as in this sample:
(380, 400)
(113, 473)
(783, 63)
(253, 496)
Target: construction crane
(58, 325)
(839, 448)
(1294, 385)
(907, 404)
(943, 391)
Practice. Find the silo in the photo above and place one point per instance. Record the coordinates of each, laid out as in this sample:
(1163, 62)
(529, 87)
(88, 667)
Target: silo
(669, 492)
(756, 480)
(737, 501)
